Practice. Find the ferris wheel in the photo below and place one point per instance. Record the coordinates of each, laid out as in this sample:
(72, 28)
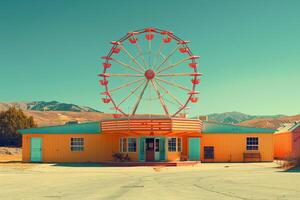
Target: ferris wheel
(149, 71)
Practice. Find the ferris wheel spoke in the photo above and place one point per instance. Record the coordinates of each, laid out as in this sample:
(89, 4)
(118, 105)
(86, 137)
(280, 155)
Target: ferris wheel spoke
(128, 75)
(170, 94)
(158, 53)
(180, 74)
(132, 57)
(131, 93)
(149, 51)
(173, 65)
(138, 46)
(173, 84)
(167, 57)
(126, 65)
(160, 97)
(140, 98)
(126, 85)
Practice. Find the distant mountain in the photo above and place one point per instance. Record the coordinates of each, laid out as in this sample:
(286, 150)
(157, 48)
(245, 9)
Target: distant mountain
(274, 123)
(47, 106)
(237, 117)
(61, 113)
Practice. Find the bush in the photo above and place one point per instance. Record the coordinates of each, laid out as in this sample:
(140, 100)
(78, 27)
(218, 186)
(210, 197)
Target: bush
(120, 157)
(10, 122)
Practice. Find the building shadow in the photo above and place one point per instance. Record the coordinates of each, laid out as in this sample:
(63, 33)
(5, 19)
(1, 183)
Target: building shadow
(10, 162)
(293, 170)
(77, 165)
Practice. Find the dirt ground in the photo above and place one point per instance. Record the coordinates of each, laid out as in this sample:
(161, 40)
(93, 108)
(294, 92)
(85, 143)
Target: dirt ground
(91, 181)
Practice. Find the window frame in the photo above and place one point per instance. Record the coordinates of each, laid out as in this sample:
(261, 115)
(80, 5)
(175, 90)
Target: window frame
(77, 144)
(178, 148)
(135, 148)
(172, 144)
(212, 153)
(124, 145)
(252, 143)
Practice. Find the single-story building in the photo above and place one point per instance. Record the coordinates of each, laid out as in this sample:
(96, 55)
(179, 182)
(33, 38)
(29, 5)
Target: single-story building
(147, 139)
(232, 143)
(287, 142)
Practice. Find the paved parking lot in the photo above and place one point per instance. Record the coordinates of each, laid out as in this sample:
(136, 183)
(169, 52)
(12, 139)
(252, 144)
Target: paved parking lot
(91, 181)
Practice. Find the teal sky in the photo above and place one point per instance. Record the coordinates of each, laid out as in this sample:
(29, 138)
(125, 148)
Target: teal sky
(250, 50)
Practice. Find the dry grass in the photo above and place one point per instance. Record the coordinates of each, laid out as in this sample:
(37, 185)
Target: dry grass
(10, 154)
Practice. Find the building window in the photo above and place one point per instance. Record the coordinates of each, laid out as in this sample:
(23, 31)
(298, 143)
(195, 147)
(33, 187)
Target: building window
(209, 152)
(77, 144)
(131, 144)
(123, 145)
(252, 143)
(172, 144)
(179, 144)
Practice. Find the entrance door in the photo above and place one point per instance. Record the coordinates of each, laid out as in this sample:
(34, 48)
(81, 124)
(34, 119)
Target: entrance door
(194, 149)
(157, 149)
(150, 149)
(36, 149)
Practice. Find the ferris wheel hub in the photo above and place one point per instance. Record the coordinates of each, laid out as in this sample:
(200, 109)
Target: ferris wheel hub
(149, 74)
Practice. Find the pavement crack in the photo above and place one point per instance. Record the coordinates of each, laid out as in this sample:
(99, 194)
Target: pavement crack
(221, 193)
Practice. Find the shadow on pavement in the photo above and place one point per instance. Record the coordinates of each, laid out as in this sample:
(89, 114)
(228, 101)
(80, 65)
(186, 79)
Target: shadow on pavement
(77, 165)
(10, 162)
(293, 170)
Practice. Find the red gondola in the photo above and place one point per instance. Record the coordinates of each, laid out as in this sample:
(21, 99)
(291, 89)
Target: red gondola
(183, 50)
(106, 65)
(132, 40)
(103, 82)
(194, 99)
(167, 40)
(193, 65)
(195, 81)
(149, 36)
(105, 100)
(116, 50)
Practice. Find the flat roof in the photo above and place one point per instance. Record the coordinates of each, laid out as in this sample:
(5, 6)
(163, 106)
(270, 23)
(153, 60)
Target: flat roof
(215, 127)
(95, 128)
(82, 128)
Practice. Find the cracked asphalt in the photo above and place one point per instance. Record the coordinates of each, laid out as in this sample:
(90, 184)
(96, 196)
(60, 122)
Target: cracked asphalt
(206, 181)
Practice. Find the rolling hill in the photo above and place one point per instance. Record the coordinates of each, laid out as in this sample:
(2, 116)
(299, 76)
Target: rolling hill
(270, 122)
(47, 106)
(237, 117)
(56, 113)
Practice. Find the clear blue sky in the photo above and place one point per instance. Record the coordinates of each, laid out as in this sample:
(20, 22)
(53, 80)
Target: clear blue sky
(250, 50)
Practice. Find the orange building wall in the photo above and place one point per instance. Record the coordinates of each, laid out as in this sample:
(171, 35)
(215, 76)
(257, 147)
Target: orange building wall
(287, 145)
(56, 147)
(100, 147)
(231, 147)
(296, 143)
(283, 145)
(97, 147)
